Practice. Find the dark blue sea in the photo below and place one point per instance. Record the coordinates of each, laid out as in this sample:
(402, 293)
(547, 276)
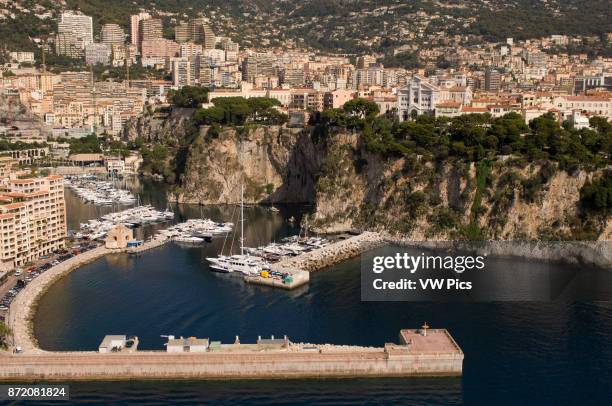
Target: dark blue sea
(516, 353)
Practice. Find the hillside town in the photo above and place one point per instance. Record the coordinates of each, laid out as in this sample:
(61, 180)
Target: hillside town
(496, 78)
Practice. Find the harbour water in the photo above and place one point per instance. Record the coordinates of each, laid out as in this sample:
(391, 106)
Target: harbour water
(544, 353)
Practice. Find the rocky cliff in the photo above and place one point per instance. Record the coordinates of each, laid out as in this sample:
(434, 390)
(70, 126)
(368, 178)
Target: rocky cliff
(275, 165)
(353, 188)
(160, 126)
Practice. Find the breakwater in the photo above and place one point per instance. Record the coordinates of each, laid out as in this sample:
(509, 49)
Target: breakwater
(334, 253)
(433, 353)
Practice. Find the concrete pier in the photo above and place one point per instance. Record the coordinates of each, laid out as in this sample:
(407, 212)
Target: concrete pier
(299, 278)
(433, 354)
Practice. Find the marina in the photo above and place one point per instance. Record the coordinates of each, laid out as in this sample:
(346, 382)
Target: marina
(328, 310)
(97, 229)
(99, 192)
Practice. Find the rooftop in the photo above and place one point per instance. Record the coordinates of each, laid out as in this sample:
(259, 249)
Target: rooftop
(436, 341)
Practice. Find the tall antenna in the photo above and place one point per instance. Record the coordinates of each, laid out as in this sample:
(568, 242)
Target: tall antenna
(127, 65)
(93, 95)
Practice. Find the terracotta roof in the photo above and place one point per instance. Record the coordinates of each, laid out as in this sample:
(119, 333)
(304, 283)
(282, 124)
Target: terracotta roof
(587, 98)
(12, 206)
(449, 104)
(471, 109)
(23, 181)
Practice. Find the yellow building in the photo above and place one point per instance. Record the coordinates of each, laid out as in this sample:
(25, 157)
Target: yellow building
(118, 237)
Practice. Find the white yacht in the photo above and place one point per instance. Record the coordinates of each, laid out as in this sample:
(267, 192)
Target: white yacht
(242, 263)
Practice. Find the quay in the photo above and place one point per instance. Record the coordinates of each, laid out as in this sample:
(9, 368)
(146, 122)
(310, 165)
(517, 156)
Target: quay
(420, 352)
(300, 266)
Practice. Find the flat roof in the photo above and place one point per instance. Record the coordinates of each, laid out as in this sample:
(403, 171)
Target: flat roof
(436, 341)
(107, 339)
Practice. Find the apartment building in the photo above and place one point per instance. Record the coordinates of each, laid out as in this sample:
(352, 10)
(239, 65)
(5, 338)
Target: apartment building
(201, 33)
(32, 219)
(150, 29)
(74, 32)
(98, 53)
(135, 27)
(112, 34)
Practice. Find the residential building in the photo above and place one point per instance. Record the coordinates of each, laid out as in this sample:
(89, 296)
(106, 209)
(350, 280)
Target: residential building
(111, 34)
(32, 219)
(201, 33)
(21, 57)
(74, 32)
(492, 80)
(182, 33)
(135, 27)
(98, 53)
(182, 74)
(150, 29)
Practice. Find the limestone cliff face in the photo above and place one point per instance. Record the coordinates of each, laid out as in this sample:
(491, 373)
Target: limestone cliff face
(159, 126)
(355, 189)
(274, 164)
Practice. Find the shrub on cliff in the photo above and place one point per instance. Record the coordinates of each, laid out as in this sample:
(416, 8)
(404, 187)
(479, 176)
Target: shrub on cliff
(596, 196)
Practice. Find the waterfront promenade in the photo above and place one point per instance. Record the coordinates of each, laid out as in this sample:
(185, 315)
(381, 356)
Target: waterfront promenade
(23, 307)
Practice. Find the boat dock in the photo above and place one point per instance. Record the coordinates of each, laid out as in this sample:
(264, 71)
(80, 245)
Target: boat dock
(300, 266)
(298, 278)
(420, 352)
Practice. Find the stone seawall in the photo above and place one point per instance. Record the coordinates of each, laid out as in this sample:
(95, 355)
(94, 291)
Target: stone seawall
(23, 307)
(590, 253)
(334, 253)
(323, 362)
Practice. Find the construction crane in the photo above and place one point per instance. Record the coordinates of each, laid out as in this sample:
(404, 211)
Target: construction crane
(93, 96)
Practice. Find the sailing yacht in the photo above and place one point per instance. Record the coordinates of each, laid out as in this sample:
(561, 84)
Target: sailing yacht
(242, 263)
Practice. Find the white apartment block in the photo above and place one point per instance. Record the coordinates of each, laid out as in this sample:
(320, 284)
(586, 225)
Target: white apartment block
(112, 34)
(74, 32)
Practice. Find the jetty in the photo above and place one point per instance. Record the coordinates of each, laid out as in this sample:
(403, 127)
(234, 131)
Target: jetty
(420, 352)
(334, 253)
(300, 266)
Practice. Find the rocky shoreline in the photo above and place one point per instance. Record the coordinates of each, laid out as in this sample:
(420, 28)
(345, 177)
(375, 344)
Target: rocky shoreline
(590, 253)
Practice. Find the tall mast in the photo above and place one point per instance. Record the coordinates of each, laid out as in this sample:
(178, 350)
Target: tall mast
(241, 219)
